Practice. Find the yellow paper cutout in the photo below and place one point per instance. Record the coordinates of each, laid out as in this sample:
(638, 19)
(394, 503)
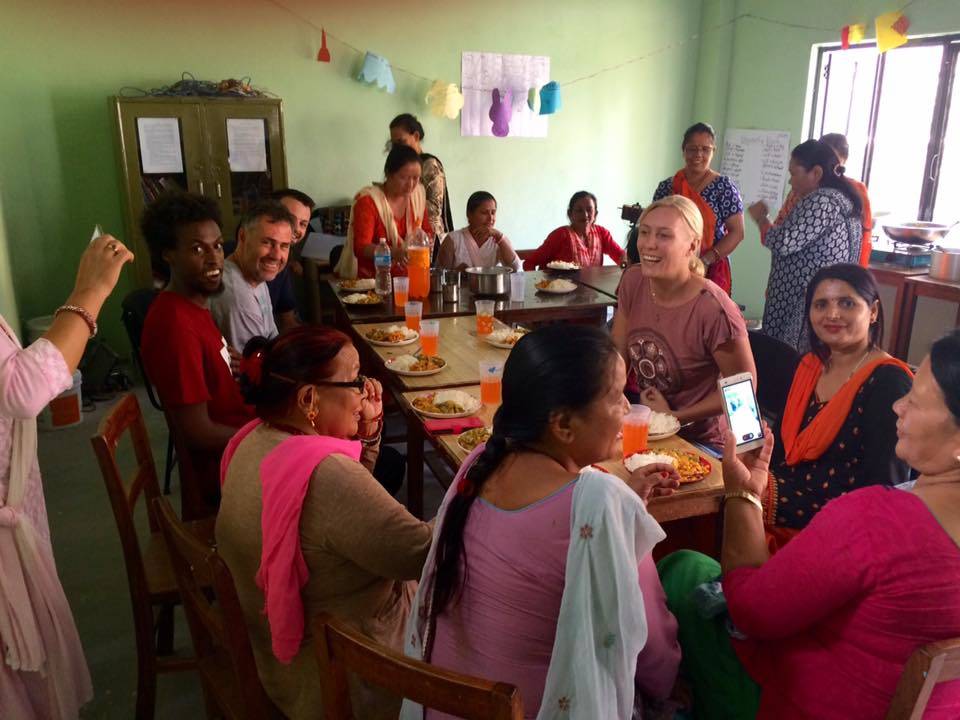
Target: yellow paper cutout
(444, 99)
(855, 33)
(887, 37)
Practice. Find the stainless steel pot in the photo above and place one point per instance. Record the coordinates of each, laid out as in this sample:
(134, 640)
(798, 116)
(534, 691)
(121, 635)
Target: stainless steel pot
(489, 280)
(945, 264)
(917, 233)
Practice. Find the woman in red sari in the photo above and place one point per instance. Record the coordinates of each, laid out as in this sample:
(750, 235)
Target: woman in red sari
(582, 242)
(717, 198)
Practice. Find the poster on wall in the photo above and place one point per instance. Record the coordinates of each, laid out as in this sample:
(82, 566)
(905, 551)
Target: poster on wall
(757, 161)
(159, 145)
(513, 77)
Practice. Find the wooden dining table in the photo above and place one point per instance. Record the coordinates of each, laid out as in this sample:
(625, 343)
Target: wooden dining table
(459, 346)
(585, 304)
(691, 500)
(604, 278)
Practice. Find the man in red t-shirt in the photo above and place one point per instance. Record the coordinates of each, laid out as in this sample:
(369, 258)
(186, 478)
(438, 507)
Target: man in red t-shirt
(185, 356)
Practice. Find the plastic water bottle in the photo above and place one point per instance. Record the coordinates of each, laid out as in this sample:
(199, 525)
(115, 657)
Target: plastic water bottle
(382, 261)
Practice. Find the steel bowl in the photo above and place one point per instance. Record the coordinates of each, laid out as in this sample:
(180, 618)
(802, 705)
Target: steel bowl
(945, 264)
(489, 280)
(917, 233)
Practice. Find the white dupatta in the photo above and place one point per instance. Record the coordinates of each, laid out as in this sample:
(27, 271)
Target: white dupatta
(602, 624)
(347, 267)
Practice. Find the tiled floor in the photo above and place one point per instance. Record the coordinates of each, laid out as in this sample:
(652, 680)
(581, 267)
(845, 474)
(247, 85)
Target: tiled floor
(90, 564)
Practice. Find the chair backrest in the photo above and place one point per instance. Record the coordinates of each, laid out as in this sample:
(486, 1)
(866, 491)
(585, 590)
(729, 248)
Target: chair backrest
(124, 494)
(776, 364)
(928, 666)
(217, 625)
(134, 310)
(341, 650)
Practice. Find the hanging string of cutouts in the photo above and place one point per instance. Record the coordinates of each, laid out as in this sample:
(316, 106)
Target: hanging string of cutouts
(601, 71)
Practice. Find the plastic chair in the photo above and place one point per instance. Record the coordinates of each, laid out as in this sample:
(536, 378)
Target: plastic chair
(153, 589)
(776, 364)
(228, 672)
(927, 667)
(341, 650)
(134, 313)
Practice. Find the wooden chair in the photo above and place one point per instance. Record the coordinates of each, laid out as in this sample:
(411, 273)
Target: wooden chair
(225, 661)
(153, 588)
(929, 666)
(341, 650)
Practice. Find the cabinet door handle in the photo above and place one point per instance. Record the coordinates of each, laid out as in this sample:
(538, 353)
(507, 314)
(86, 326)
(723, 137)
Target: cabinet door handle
(219, 194)
(201, 187)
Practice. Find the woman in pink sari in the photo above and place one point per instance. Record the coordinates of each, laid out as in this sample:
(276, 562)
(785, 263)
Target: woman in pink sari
(43, 674)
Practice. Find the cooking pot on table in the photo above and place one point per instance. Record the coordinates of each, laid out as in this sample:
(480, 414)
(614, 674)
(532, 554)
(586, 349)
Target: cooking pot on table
(945, 264)
(918, 233)
(489, 280)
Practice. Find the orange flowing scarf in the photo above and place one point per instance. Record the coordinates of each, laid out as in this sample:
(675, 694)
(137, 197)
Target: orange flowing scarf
(813, 441)
(682, 187)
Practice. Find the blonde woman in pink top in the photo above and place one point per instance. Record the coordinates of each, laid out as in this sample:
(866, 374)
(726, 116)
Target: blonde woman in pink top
(827, 624)
(43, 674)
(540, 574)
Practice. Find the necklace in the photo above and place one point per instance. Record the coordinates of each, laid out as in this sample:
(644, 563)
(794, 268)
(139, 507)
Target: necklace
(857, 366)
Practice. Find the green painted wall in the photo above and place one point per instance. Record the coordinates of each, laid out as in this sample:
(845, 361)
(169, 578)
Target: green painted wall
(616, 135)
(768, 77)
(8, 300)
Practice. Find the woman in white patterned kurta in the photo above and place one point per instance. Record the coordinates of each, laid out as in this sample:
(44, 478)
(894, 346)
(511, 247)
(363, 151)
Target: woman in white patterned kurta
(822, 229)
(43, 673)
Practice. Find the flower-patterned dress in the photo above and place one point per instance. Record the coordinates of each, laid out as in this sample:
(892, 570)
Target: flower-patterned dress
(822, 229)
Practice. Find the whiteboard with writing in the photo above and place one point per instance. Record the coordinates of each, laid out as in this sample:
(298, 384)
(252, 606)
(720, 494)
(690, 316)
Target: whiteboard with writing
(757, 161)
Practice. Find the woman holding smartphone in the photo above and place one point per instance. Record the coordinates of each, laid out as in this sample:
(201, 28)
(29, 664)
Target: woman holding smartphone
(677, 331)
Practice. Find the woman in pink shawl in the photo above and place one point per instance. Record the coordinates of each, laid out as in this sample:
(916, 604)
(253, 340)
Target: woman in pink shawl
(303, 525)
(43, 673)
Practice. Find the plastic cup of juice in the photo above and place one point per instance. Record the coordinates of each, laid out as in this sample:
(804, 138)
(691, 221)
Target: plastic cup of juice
(485, 316)
(412, 311)
(491, 379)
(636, 425)
(429, 337)
(401, 287)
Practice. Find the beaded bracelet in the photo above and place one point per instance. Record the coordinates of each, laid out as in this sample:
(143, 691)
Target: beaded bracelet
(86, 316)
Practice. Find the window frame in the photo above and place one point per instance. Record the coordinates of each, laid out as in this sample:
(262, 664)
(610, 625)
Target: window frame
(941, 108)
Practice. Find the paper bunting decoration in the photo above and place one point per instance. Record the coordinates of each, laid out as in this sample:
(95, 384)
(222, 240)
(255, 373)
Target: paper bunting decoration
(377, 70)
(891, 30)
(324, 54)
(550, 98)
(851, 34)
(500, 113)
(533, 100)
(444, 99)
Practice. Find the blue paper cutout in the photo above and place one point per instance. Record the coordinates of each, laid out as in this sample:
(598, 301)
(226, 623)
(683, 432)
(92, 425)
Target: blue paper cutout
(550, 98)
(376, 69)
(500, 113)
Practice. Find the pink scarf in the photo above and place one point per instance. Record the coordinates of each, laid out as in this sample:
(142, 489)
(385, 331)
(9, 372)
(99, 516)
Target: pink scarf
(285, 475)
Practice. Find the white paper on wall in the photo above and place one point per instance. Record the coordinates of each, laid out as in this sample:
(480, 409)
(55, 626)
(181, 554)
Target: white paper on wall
(480, 73)
(758, 162)
(247, 144)
(159, 145)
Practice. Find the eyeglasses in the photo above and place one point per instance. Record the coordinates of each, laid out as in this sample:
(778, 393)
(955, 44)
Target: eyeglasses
(699, 149)
(360, 384)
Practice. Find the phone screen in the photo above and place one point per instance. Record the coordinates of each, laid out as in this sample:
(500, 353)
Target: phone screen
(742, 411)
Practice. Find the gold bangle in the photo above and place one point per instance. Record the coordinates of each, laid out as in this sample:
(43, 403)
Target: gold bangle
(744, 495)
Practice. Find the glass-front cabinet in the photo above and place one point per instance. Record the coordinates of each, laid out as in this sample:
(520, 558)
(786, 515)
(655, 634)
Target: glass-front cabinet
(229, 149)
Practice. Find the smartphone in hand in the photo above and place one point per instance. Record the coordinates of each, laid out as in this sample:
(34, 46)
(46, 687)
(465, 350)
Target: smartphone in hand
(742, 410)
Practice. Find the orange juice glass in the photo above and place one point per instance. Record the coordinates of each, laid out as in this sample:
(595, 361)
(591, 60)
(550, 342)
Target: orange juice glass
(429, 337)
(485, 316)
(636, 426)
(401, 286)
(491, 382)
(412, 312)
(418, 270)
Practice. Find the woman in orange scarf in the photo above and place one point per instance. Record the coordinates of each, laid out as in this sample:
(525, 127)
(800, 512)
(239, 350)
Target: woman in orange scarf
(717, 198)
(838, 430)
